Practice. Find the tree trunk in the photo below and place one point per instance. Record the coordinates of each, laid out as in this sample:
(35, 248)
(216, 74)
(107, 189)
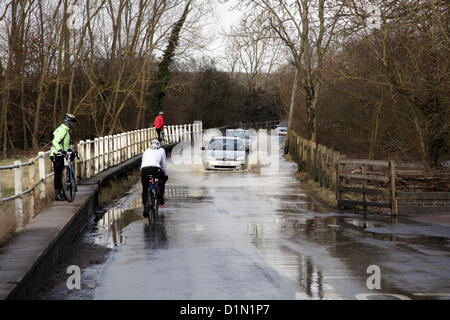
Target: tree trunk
(291, 109)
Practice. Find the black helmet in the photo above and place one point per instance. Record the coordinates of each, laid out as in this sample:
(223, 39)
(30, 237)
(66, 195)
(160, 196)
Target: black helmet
(69, 120)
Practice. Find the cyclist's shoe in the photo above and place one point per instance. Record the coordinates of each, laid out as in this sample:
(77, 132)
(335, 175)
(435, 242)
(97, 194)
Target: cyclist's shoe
(146, 211)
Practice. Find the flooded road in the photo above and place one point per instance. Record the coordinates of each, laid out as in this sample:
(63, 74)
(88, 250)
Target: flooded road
(244, 235)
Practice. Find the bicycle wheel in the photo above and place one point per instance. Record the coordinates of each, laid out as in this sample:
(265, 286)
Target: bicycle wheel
(68, 188)
(153, 207)
(156, 207)
(74, 185)
(149, 203)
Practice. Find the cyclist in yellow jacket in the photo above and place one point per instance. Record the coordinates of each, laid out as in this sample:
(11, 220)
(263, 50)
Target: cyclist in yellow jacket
(60, 145)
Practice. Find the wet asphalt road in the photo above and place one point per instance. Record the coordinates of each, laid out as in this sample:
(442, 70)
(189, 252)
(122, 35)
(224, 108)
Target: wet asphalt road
(244, 235)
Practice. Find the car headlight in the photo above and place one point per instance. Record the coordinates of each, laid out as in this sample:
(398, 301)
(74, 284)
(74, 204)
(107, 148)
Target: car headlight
(210, 158)
(240, 158)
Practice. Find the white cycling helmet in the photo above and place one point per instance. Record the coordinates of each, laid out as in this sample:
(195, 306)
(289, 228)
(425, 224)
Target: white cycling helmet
(155, 144)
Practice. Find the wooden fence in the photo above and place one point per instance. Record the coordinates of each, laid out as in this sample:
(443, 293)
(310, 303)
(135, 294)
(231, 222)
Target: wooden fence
(372, 180)
(319, 161)
(31, 177)
(369, 183)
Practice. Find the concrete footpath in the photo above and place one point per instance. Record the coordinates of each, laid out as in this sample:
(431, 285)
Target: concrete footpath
(42, 243)
(24, 259)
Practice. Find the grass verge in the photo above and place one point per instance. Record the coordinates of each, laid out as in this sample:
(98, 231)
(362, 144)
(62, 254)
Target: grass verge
(313, 188)
(7, 222)
(322, 194)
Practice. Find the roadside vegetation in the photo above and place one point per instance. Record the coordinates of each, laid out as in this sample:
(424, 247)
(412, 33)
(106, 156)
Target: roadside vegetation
(368, 78)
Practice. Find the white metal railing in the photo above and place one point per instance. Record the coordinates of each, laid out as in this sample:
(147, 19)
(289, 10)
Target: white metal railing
(34, 182)
(102, 153)
(95, 156)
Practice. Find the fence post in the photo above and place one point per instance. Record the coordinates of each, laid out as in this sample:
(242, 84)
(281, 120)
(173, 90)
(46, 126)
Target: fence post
(118, 147)
(101, 152)
(123, 143)
(128, 144)
(394, 209)
(138, 141)
(114, 149)
(97, 164)
(142, 144)
(78, 164)
(123, 138)
(88, 158)
(338, 179)
(146, 136)
(166, 134)
(131, 144)
(106, 152)
(43, 186)
(110, 154)
(18, 192)
(135, 142)
(32, 184)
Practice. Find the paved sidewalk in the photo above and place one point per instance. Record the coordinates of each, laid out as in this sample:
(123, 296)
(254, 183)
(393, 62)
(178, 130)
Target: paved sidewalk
(35, 245)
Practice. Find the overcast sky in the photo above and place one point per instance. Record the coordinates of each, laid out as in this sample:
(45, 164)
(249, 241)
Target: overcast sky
(225, 18)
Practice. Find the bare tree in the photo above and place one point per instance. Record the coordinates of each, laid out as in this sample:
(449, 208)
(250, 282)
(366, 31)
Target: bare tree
(307, 28)
(410, 46)
(253, 51)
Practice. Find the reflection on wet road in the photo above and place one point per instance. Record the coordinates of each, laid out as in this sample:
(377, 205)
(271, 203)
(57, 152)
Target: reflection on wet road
(250, 236)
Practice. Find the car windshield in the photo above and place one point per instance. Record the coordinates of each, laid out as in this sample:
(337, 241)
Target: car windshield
(283, 124)
(226, 144)
(243, 134)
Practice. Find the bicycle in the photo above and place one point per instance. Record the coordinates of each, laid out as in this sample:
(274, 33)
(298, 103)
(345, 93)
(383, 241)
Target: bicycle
(70, 181)
(153, 188)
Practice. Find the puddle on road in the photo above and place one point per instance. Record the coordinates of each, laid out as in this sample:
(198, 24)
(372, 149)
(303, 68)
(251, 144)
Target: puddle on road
(108, 229)
(109, 225)
(321, 244)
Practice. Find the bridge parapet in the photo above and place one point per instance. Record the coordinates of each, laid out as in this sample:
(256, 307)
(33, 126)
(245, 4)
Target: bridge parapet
(26, 187)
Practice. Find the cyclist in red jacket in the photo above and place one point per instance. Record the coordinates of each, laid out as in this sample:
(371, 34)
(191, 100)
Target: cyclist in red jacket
(159, 124)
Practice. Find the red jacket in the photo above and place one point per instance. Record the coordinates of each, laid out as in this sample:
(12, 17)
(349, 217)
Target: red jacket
(159, 122)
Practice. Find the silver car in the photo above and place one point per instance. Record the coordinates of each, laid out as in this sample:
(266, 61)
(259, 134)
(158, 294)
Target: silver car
(240, 133)
(224, 153)
(281, 129)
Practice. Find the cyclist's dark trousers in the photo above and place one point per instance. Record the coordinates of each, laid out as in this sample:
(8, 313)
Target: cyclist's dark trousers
(156, 172)
(158, 131)
(58, 166)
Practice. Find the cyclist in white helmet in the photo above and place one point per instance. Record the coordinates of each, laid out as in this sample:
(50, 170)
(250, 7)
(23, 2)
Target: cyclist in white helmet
(154, 163)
